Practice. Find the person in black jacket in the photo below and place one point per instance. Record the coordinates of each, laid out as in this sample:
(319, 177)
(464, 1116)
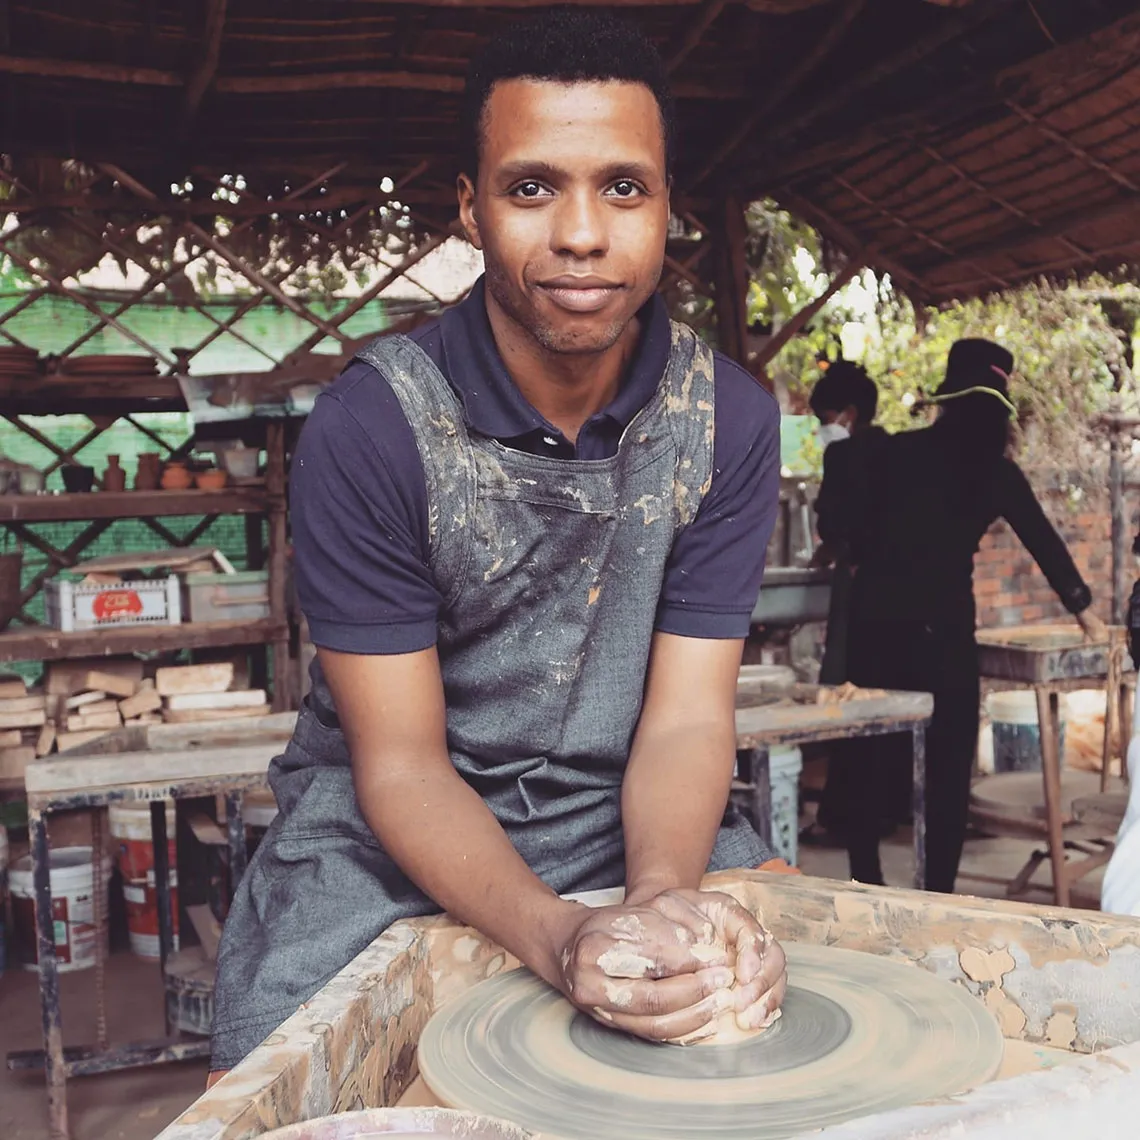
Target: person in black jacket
(930, 497)
(845, 401)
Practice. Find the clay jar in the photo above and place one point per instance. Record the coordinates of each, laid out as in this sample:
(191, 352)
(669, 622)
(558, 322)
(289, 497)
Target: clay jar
(146, 478)
(176, 477)
(114, 478)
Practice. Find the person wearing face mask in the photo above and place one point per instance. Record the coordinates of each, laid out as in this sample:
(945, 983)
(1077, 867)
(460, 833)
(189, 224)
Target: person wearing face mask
(844, 401)
(930, 497)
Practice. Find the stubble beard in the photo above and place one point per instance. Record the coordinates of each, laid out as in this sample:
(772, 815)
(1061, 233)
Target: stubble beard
(551, 338)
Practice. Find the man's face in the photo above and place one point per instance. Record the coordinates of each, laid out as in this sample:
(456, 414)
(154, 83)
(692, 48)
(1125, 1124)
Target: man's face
(571, 210)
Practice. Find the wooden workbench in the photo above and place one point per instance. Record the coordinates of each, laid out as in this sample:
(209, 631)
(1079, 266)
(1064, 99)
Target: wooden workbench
(1053, 660)
(770, 714)
(171, 762)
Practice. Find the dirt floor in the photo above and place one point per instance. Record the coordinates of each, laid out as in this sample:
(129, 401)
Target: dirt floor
(137, 1105)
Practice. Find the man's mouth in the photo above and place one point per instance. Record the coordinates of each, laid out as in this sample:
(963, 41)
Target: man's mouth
(579, 294)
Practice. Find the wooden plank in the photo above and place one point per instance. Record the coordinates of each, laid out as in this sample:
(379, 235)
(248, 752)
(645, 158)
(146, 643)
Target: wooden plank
(133, 504)
(32, 703)
(144, 701)
(68, 740)
(11, 738)
(83, 700)
(80, 722)
(806, 723)
(12, 686)
(40, 644)
(277, 727)
(63, 775)
(231, 699)
(33, 718)
(212, 678)
(172, 558)
(98, 708)
(46, 741)
(111, 683)
(197, 716)
(63, 679)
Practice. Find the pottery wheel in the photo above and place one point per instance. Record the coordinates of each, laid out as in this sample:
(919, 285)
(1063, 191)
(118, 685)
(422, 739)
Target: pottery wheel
(859, 1035)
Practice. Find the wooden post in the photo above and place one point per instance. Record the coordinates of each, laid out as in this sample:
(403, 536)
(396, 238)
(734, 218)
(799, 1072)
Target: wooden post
(731, 279)
(278, 563)
(1116, 508)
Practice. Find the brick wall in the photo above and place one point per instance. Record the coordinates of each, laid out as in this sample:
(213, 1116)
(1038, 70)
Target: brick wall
(1011, 590)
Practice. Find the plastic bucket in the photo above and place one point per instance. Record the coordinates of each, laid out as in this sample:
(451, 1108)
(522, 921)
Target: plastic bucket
(1016, 733)
(258, 811)
(784, 768)
(130, 826)
(72, 887)
(401, 1124)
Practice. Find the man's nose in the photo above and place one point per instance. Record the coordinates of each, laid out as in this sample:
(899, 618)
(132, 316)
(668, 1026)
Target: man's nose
(580, 225)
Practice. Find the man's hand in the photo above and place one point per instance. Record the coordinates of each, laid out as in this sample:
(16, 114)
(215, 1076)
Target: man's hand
(1094, 629)
(668, 967)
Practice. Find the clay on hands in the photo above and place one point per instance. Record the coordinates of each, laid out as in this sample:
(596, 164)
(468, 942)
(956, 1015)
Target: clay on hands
(678, 939)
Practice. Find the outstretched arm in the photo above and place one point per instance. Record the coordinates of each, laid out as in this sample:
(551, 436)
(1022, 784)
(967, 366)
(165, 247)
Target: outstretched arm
(1020, 508)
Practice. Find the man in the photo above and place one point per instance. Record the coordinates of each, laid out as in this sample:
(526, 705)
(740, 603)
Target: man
(528, 541)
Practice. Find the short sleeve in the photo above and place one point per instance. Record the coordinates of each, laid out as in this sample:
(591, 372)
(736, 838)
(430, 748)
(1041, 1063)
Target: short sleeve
(713, 575)
(358, 505)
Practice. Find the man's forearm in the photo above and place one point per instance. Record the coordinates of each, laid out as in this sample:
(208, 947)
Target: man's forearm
(673, 799)
(448, 842)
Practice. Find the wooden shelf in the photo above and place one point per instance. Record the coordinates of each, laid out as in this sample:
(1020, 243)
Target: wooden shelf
(133, 505)
(38, 643)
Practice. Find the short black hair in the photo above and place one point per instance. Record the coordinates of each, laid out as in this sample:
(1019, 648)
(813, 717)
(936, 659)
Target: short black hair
(563, 45)
(845, 384)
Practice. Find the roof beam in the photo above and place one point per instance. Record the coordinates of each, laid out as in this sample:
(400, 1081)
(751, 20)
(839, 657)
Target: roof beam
(709, 11)
(1057, 228)
(836, 30)
(280, 84)
(207, 67)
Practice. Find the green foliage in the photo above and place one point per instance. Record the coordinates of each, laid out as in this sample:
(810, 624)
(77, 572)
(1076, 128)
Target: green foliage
(1069, 356)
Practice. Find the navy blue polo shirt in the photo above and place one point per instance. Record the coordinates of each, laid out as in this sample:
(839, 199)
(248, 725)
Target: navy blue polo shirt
(358, 497)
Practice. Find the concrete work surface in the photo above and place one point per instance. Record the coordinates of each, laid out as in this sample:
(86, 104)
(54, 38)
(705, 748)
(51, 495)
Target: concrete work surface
(137, 1105)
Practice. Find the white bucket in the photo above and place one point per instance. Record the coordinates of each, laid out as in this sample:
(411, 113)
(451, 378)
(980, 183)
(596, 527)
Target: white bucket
(1016, 734)
(72, 886)
(784, 768)
(258, 809)
(130, 826)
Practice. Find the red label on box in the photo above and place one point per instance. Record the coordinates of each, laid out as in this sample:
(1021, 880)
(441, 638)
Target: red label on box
(114, 604)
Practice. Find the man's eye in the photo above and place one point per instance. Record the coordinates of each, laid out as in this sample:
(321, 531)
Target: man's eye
(529, 189)
(625, 188)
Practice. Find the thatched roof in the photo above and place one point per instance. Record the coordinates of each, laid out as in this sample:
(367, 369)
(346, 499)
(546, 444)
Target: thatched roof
(960, 145)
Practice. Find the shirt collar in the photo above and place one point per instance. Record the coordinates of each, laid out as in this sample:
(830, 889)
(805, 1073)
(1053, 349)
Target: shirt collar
(492, 403)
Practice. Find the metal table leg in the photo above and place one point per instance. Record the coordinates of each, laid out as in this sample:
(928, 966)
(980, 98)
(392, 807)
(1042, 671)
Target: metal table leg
(761, 794)
(162, 889)
(918, 734)
(55, 1071)
(235, 833)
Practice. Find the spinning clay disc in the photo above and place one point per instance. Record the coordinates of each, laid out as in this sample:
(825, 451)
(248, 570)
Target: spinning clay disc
(859, 1035)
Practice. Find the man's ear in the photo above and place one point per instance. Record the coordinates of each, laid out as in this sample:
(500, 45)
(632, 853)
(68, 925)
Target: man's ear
(465, 188)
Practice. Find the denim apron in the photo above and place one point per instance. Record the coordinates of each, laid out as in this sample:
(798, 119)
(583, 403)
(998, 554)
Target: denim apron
(550, 571)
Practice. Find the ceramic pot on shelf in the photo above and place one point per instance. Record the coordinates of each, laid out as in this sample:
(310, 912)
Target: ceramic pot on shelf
(147, 475)
(114, 478)
(76, 478)
(212, 479)
(176, 477)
